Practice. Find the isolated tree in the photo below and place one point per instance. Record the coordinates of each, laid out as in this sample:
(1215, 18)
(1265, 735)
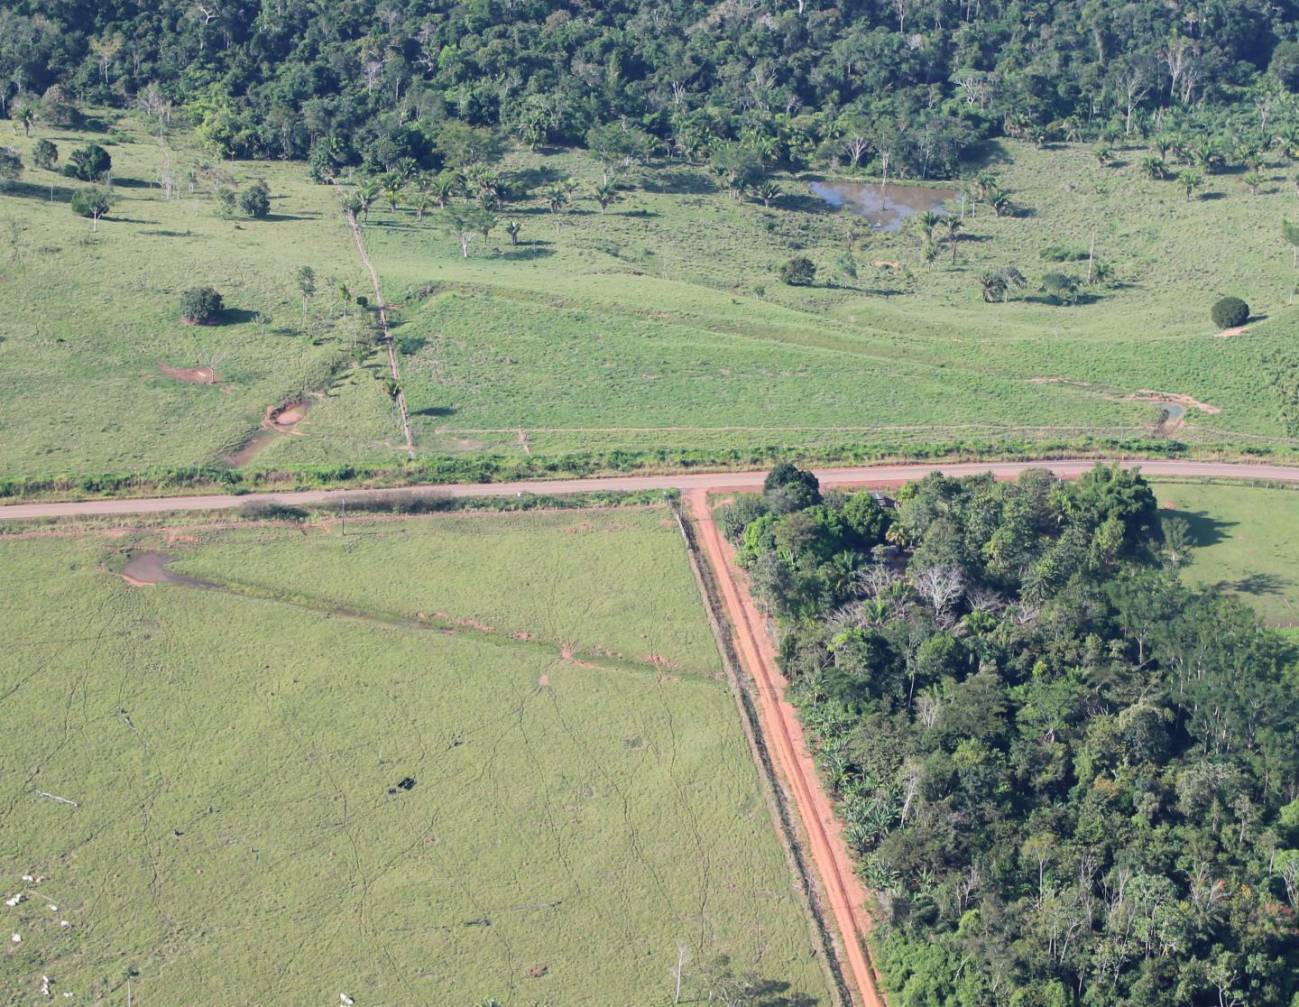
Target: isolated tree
(1229, 313)
(94, 202)
(999, 199)
(556, 196)
(255, 201)
(466, 220)
(365, 195)
(392, 183)
(1154, 168)
(512, 228)
(305, 278)
(926, 224)
(421, 203)
(1104, 156)
(45, 154)
(1290, 232)
(605, 193)
(768, 192)
(738, 166)
(1253, 181)
(1060, 288)
(998, 284)
(201, 305)
(1190, 181)
(57, 108)
(25, 113)
(11, 167)
(952, 225)
(799, 271)
(89, 163)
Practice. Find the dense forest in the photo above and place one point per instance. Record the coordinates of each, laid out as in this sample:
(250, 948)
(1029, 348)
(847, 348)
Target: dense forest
(1071, 779)
(904, 83)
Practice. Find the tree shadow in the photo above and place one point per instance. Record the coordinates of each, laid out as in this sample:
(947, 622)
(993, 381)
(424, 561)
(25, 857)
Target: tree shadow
(129, 220)
(680, 182)
(986, 154)
(1204, 529)
(532, 177)
(1256, 584)
(132, 183)
(1211, 197)
(237, 316)
(33, 190)
(410, 345)
(438, 411)
(523, 254)
(167, 234)
(285, 216)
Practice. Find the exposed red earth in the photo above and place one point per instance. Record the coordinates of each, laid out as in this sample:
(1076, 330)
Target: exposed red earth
(842, 890)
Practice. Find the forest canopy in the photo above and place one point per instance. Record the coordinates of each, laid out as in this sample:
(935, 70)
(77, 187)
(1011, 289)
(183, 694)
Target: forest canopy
(1069, 778)
(911, 83)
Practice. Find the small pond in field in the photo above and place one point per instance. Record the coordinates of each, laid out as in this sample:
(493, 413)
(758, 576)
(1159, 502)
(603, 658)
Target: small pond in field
(886, 207)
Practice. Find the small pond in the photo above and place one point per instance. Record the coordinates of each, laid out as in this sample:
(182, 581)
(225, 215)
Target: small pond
(886, 207)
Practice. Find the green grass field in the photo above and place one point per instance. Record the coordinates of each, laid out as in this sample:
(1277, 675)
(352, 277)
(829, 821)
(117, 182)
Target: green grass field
(657, 327)
(584, 801)
(1246, 543)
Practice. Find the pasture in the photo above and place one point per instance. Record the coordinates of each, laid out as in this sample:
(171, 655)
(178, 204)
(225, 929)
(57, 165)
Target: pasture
(1245, 543)
(433, 760)
(653, 332)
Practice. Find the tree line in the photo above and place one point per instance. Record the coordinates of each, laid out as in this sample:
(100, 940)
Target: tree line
(1069, 778)
(894, 85)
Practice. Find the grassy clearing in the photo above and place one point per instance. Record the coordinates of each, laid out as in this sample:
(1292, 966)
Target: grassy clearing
(88, 318)
(573, 817)
(658, 329)
(1245, 543)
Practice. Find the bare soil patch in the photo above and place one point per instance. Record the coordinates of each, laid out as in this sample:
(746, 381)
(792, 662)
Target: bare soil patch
(191, 375)
(148, 568)
(1176, 398)
(1228, 333)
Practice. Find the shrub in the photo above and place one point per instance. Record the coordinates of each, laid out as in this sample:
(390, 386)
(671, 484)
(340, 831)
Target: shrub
(89, 163)
(91, 201)
(45, 154)
(1230, 312)
(57, 108)
(255, 201)
(799, 271)
(11, 167)
(201, 305)
(1060, 288)
(1063, 253)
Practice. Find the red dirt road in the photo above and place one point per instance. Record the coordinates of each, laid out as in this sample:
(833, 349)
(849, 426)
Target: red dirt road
(712, 482)
(840, 886)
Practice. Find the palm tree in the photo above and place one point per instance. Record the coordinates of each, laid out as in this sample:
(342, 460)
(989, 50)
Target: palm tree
(421, 204)
(605, 193)
(442, 188)
(1155, 168)
(999, 199)
(1190, 181)
(366, 193)
(556, 197)
(1253, 181)
(1104, 156)
(928, 222)
(953, 225)
(768, 191)
(512, 228)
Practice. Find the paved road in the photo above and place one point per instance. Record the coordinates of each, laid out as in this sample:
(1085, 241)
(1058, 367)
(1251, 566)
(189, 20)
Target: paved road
(713, 482)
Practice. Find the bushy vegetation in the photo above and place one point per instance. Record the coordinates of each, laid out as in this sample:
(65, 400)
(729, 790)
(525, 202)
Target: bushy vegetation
(1070, 778)
(201, 305)
(1230, 312)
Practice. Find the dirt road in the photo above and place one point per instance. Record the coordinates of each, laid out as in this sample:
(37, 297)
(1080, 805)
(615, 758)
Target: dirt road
(842, 890)
(712, 482)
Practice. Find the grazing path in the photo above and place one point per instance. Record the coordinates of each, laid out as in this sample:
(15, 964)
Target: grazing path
(842, 889)
(712, 482)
